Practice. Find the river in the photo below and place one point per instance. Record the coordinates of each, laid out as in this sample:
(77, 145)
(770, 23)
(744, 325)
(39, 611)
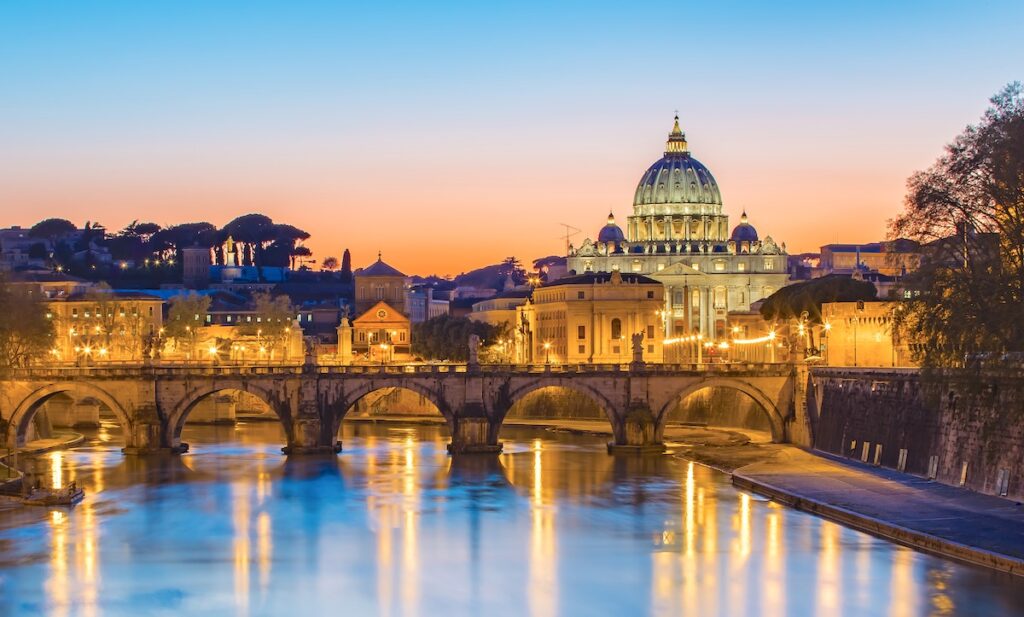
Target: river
(394, 526)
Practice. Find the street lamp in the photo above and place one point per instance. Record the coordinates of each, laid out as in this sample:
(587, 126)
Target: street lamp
(383, 353)
(547, 353)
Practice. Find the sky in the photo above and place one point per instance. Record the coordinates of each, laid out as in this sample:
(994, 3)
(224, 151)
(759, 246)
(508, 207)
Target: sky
(450, 135)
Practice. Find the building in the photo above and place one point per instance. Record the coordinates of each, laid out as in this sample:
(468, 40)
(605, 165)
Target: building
(95, 327)
(18, 249)
(382, 334)
(679, 235)
(861, 334)
(591, 318)
(891, 258)
(501, 309)
(379, 282)
(195, 266)
(422, 305)
(47, 284)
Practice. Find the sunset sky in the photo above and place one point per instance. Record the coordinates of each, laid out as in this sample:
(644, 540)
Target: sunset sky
(451, 135)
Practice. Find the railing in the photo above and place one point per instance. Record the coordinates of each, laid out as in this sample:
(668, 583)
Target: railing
(115, 370)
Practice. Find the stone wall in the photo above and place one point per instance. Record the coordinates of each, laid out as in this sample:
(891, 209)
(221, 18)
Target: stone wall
(962, 429)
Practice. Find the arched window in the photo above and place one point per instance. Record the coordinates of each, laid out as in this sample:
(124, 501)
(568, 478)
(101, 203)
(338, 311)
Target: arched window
(616, 328)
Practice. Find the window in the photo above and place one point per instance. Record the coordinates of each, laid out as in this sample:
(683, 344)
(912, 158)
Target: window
(695, 266)
(661, 267)
(580, 295)
(581, 332)
(582, 349)
(209, 318)
(719, 297)
(380, 293)
(616, 328)
(151, 311)
(742, 266)
(637, 266)
(228, 319)
(650, 294)
(74, 313)
(769, 263)
(650, 331)
(719, 266)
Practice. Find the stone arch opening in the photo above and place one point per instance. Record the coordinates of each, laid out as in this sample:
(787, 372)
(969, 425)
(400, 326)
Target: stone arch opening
(21, 426)
(724, 403)
(392, 402)
(218, 406)
(576, 400)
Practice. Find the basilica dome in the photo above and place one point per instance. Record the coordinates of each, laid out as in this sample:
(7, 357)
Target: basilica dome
(611, 232)
(744, 232)
(677, 178)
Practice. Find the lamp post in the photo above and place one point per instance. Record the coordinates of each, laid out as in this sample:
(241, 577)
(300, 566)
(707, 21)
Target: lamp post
(383, 353)
(547, 353)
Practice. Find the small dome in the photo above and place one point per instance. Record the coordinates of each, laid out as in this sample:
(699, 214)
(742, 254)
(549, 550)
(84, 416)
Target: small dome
(744, 232)
(611, 232)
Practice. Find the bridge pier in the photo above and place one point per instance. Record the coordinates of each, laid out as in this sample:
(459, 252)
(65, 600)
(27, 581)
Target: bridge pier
(148, 435)
(637, 432)
(474, 433)
(310, 436)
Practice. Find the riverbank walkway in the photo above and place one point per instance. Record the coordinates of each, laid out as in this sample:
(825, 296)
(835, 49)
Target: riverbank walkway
(909, 510)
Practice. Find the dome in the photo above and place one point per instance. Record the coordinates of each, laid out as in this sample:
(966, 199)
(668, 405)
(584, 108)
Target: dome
(677, 178)
(744, 232)
(611, 232)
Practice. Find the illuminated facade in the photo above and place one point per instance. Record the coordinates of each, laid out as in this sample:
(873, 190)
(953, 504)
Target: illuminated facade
(679, 234)
(591, 318)
(100, 327)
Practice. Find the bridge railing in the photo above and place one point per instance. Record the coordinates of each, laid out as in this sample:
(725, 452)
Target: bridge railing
(115, 370)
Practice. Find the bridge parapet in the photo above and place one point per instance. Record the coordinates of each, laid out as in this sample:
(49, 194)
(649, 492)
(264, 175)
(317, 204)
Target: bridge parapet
(153, 401)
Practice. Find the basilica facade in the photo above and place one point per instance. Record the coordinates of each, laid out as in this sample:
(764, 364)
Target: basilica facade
(679, 235)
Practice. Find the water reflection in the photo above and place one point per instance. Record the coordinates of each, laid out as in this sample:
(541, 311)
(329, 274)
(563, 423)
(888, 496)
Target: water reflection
(394, 526)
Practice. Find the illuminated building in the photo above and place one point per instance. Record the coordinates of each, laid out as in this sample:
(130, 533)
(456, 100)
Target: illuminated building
(591, 318)
(679, 234)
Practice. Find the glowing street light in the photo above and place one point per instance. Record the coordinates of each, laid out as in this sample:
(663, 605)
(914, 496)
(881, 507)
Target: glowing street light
(547, 353)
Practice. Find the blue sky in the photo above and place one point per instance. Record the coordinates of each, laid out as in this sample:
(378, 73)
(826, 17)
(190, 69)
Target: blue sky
(448, 116)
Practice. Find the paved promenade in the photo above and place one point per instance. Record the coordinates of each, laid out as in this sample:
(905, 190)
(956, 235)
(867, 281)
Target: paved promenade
(940, 519)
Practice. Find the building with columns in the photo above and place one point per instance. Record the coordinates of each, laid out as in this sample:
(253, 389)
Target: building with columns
(590, 318)
(678, 234)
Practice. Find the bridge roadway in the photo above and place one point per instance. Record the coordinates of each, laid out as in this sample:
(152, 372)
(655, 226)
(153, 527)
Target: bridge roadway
(153, 402)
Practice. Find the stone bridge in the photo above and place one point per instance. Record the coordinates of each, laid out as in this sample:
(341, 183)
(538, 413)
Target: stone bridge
(152, 403)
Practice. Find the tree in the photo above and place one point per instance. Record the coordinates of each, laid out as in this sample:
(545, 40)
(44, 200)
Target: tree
(186, 314)
(52, 229)
(792, 301)
(115, 329)
(967, 210)
(26, 333)
(330, 264)
(272, 325)
(447, 338)
(346, 267)
(512, 267)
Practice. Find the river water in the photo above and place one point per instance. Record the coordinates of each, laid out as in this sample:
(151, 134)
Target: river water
(394, 526)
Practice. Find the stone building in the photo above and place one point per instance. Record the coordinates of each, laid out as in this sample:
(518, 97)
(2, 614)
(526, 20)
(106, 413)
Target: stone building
(380, 282)
(860, 334)
(381, 334)
(679, 235)
(591, 318)
(103, 326)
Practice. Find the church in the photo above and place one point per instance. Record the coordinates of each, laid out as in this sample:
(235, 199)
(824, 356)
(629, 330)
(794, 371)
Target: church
(678, 234)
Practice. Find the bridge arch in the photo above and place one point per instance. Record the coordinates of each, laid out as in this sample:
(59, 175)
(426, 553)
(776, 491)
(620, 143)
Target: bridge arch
(180, 412)
(26, 410)
(518, 393)
(348, 402)
(763, 401)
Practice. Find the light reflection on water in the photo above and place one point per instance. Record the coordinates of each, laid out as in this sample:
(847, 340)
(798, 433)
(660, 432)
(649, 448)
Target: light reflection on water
(394, 526)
